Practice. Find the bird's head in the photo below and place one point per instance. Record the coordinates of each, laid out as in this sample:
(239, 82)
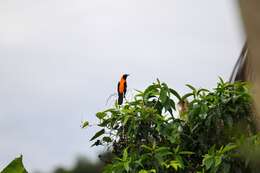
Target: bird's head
(125, 76)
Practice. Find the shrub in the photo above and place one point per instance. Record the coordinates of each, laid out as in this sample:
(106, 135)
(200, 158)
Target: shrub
(211, 132)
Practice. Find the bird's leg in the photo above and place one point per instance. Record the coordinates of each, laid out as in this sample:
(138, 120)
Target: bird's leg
(125, 98)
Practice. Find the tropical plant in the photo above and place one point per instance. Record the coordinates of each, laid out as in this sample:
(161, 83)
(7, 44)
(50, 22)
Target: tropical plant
(148, 134)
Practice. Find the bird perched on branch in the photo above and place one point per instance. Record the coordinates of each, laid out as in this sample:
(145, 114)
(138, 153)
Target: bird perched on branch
(121, 89)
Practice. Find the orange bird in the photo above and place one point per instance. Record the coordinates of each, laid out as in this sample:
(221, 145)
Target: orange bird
(121, 89)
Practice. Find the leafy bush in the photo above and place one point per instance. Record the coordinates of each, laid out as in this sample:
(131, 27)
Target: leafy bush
(209, 133)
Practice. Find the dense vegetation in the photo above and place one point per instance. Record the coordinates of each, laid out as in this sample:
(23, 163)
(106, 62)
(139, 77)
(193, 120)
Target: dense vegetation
(213, 131)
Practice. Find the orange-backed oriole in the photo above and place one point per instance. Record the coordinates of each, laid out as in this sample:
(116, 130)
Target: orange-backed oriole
(121, 89)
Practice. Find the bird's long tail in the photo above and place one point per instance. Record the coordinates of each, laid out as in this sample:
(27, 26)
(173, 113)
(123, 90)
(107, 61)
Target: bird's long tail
(120, 99)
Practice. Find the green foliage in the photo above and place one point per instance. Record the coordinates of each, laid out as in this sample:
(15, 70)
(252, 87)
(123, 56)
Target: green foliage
(16, 166)
(212, 161)
(85, 124)
(84, 165)
(146, 134)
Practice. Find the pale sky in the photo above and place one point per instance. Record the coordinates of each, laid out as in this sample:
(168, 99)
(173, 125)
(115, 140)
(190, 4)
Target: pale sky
(61, 59)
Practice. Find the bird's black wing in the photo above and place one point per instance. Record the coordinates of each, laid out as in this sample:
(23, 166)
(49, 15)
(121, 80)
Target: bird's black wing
(125, 88)
(118, 88)
(120, 95)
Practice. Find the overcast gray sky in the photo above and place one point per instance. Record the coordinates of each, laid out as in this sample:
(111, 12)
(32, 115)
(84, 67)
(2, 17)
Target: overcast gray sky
(61, 59)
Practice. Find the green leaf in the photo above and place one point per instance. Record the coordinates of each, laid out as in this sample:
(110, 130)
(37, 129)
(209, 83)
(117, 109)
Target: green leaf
(152, 171)
(175, 93)
(85, 124)
(172, 104)
(191, 87)
(109, 168)
(16, 166)
(151, 88)
(175, 164)
(208, 161)
(186, 152)
(186, 96)
(163, 95)
(97, 143)
(229, 147)
(203, 90)
(125, 154)
(107, 139)
(162, 152)
(99, 133)
(146, 147)
(100, 115)
(147, 171)
(218, 160)
(221, 80)
(126, 166)
(104, 122)
(126, 119)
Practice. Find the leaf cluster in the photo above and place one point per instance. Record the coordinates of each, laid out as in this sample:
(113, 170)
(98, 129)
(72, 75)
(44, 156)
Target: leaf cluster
(148, 134)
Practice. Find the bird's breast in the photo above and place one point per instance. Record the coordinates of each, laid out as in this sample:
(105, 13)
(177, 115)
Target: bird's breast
(121, 86)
